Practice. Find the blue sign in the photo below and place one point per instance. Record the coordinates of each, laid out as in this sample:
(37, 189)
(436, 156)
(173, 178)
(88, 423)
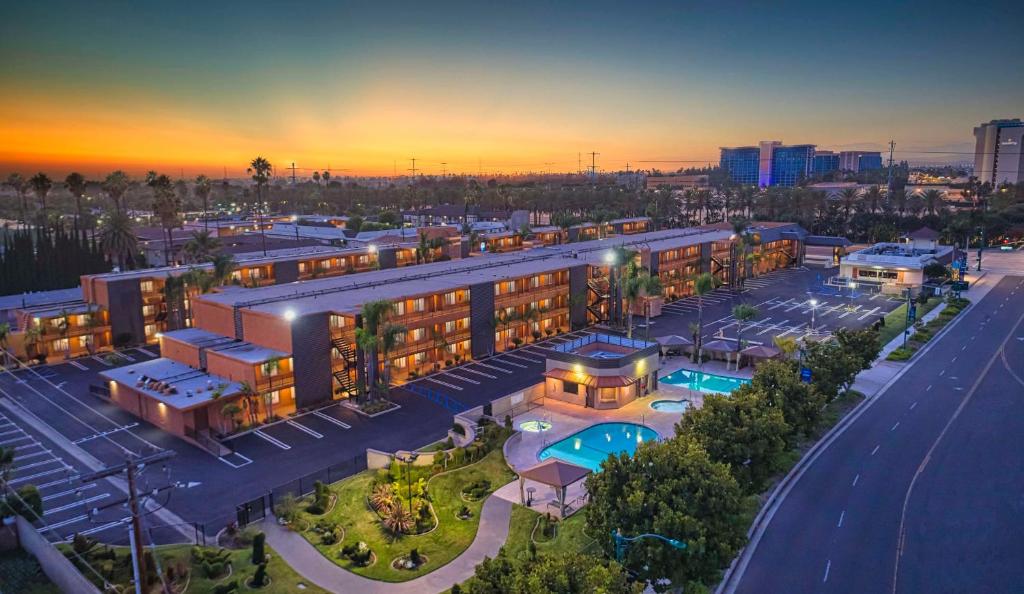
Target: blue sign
(805, 375)
(912, 313)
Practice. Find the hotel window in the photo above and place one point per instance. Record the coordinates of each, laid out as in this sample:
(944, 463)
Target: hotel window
(450, 298)
(419, 304)
(302, 267)
(510, 311)
(150, 329)
(418, 358)
(275, 397)
(400, 308)
(534, 282)
(364, 260)
(254, 273)
(146, 286)
(61, 344)
(417, 335)
(400, 362)
(450, 327)
(338, 321)
(570, 387)
(325, 264)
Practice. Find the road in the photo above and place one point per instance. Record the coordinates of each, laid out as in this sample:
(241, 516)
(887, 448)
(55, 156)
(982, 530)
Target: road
(922, 492)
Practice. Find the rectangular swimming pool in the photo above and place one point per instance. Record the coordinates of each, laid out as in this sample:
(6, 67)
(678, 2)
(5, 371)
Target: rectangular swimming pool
(589, 447)
(709, 383)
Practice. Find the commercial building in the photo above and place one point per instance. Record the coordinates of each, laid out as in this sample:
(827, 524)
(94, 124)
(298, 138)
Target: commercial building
(449, 312)
(678, 182)
(771, 163)
(825, 162)
(856, 161)
(893, 267)
(998, 158)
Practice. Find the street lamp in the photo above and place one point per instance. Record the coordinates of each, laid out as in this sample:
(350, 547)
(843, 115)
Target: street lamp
(621, 542)
(408, 459)
(814, 308)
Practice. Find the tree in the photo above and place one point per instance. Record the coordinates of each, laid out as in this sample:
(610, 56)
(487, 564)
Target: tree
(203, 187)
(201, 247)
(778, 382)
(6, 463)
(174, 300)
(249, 395)
(743, 313)
(260, 170)
(389, 338)
(835, 364)
(166, 207)
(223, 266)
(637, 287)
(862, 344)
(937, 271)
(848, 197)
(116, 185)
(743, 431)
(703, 284)
(671, 488)
(75, 184)
(20, 187)
(556, 573)
(5, 333)
(118, 239)
(41, 185)
(231, 411)
(374, 313)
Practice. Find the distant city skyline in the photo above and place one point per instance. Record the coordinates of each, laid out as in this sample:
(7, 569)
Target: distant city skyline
(362, 88)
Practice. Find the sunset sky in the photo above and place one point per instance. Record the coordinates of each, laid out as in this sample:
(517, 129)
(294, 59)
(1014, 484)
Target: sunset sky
(362, 87)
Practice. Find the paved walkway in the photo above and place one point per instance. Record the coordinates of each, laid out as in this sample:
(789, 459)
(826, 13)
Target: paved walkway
(308, 562)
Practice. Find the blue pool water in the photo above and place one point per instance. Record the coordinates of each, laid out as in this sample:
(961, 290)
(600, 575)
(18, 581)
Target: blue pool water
(670, 406)
(704, 382)
(603, 355)
(592, 445)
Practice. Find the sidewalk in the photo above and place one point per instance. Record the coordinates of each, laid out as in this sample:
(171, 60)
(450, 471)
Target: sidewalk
(308, 562)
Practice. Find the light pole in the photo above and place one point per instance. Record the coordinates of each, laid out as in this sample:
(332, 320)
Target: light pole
(814, 308)
(853, 289)
(408, 459)
(621, 542)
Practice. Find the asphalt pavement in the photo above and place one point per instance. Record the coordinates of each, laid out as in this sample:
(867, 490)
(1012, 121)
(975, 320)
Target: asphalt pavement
(922, 492)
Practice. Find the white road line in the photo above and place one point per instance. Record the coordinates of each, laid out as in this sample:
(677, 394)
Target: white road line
(331, 419)
(232, 464)
(963, 348)
(459, 377)
(954, 359)
(272, 440)
(868, 313)
(494, 368)
(33, 454)
(69, 492)
(68, 522)
(444, 383)
(777, 305)
(828, 566)
(855, 479)
(305, 429)
(63, 481)
(797, 306)
(841, 516)
(78, 365)
(75, 504)
(942, 372)
(928, 389)
(38, 464)
(101, 360)
(113, 524)
(16, 440)
(874, 451)
(520, 366)
(894, 426)
(914, 405)
(470, 370)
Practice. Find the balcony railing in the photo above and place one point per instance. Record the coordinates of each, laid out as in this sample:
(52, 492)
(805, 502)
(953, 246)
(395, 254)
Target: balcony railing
(270, 383)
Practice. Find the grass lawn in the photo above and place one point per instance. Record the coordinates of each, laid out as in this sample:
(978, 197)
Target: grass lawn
(20, 572)
(283, 579)
(569, 536)
(448, 540)
(897, 318)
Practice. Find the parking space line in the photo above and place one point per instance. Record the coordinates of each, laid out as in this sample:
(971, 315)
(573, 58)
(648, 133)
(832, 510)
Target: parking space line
(78, 365)
(69, 492)
(272, 440)
(68, 522)
(781, 304)
(108, 526)
(15, 440)
(150, 353)
(33, 454)
(797, 306)
(126, 356)
(68, 506)
(791, 329)
(43, 463)
(454, 375)
(772, 327)
(471, 370)
(504, 362)
(443, 383)
(305, 429)
(495, 368)
(38, 474)
(331, 419)
(99, 359)
(232, 464)
(522, 358)
(868, 313)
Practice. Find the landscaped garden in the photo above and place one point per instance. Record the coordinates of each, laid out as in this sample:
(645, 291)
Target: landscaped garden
(546, 533)
(923, 332)
(400, 522)
(203, 570)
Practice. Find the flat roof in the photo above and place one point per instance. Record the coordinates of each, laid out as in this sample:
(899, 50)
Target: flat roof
(24, 300)
(249, 352)
(347, 293)
(189, 387)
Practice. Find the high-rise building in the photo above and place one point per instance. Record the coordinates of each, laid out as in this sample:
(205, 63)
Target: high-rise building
(998, 157)
(859, 160)
(771, 163)
(825, 161)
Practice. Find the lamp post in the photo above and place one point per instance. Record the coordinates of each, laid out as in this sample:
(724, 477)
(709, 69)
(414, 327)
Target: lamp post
(621, 542)
(408, 459)
(814, 308)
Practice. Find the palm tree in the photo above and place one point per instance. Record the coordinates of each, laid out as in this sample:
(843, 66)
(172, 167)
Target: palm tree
(619, 257)
(174, 298)
(63, 327)
(703, 284)
(898, 200)
(203, 187)
(389, 338)
(743, 313)
(5, 332)
(223, 266)
(848, 196)
(20, 186)
(41, 186)
(316, 177)
(33, 336)
(260, 170)
(932, 201)
(167, 207)
(872, 197)
(249, 394)
(118, 239)
(231, 411)
(201, 247)
(75, 183)
(116, 185)
(636, 287)
(374, 313)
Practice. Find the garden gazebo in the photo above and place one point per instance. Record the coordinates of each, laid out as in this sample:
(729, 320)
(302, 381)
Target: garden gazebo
(556, 474)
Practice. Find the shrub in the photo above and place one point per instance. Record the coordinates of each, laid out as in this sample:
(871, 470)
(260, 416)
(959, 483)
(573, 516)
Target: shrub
(456, 589)
(458, 428)
(225, 588)
(436, 469)
(414, 556)
(516, 342)
(508, 422)
(259, 579)
(329, 538)
(464, 512)
(258, 550)
(246, 535)
(449, 443)
(477, 489)
(900, 354)
(82, 544)
(213, 569)
(287, 508)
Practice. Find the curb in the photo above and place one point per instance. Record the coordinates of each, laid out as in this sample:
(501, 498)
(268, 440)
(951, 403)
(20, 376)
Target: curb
(732, 576)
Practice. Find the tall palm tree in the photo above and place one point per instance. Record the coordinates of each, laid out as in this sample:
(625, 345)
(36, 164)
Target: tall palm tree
(249, 395)
(41, 186)
(703, 284)
(848, 197)
(260, 170)
(118, 239)
(316, 177)
(743, 313)
(374, 314)
(75, 183)
(201, 247)
(223, 266)
(389, 338)
(636, 287)
(20, 186)
(174, 298)
(898, 200)
(932, 201)
(326, 176)
(203, 187)
(64, 326)
(621, 264)
(873, 198)
(116, 185)
(166, 207)
(33, 337)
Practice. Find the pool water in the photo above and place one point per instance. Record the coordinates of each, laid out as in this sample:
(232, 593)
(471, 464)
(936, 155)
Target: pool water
(670, 406)
(704, 382)
(535, 426)
(589, 447)
(602, 355)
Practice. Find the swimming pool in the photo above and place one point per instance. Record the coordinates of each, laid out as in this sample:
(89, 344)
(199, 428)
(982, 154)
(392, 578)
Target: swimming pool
(704, 382)
(592, 445)
(601, 354)
(670, 406)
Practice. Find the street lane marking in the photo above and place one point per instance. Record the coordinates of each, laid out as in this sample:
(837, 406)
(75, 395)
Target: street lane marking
(855, 479)
(913, 406)
(459, 377)
(69, 492)
(841, 516)
(963, 348)
(272, 440)
(78, 365)
(942, 373)
(471, 370)
(443, 383)
(504, 362)
(530, 359)
(929, 388)
(874, 451)
(305, 429)
(75, 504)
(894, 426)
(331, 419)
(120, 522)
(828, 566)
(68, 522)
(495, 368)
(232, 464)
(868, 314)
(954, 360)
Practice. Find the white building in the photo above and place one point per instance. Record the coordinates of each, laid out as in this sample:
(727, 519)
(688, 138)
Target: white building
(896, 266)
(998, 157)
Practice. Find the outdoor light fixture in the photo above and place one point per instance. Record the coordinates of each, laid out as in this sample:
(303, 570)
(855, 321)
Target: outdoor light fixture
(372, 248)
(610, 257)
(289, 314)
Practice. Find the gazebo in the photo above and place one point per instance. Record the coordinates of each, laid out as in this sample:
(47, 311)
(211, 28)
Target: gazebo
(760, 353)
(720, 347)
(556, 474)
(673, 342)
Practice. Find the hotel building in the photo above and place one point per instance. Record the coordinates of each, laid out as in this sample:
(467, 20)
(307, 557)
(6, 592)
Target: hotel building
(998, 153)
(770, 163)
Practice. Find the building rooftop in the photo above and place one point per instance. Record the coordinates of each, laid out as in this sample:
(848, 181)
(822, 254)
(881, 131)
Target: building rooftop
(175, 384)
(249, 352)
(25, 300)
(897, 254)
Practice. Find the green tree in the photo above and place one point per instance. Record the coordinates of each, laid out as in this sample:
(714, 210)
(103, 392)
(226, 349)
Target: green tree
(20, 187)
(116, 185)
(389, 338)
(636, 287)
(778, 382)
(862, 344)
(743, 313)
(557, 573)
(260, 170)
(834, 367)
(118, 240)
(223, 266)
(166, 207)
(75, 184)
(41, 186)
(374, 314)
(703, 284)
(203, 187)
(201, 247)
(742, 430)
(671, 488)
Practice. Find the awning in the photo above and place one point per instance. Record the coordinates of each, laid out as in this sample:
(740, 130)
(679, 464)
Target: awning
(593, 381)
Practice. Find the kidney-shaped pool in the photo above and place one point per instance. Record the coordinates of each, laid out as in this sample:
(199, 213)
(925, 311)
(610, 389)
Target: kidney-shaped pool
(589, 447)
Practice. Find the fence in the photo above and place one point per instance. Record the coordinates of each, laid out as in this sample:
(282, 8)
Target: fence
(436, 397)
(55, 565)
(330, 474)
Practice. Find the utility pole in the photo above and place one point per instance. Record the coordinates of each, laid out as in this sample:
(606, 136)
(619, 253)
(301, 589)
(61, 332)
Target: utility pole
(293, 172)
(579, 164)
(444, 169)
(131, 467)
(892, 147)
(593, 165)
(413, 169)
(547, 167)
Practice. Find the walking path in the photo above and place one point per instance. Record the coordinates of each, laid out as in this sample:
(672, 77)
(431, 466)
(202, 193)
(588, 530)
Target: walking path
(305, 559)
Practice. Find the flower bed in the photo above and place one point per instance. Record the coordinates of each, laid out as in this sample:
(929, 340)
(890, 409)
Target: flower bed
(923, 332)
